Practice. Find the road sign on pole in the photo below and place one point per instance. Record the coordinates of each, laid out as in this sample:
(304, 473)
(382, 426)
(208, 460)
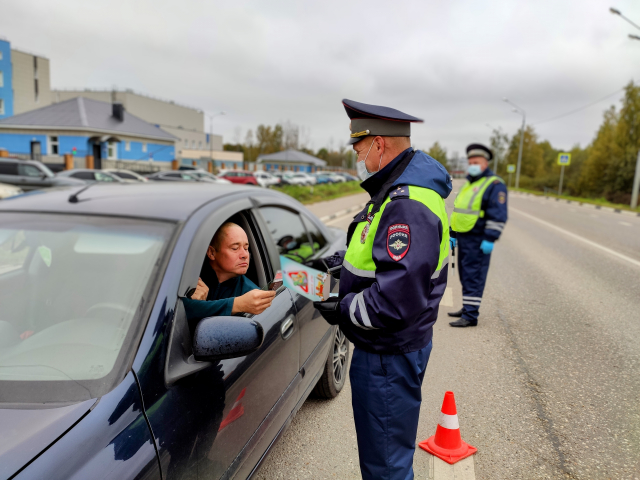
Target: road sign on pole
(564, 159)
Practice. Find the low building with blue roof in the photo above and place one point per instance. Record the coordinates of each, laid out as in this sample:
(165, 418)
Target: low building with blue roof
(292, 160)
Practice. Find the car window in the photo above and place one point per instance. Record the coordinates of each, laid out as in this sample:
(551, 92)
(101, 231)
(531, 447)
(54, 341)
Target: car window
(29, 171)
(8, 168)
(103, 177)
(84, 175)
(319, 242)
(288, 233)
(128, 176)
(187, 177)
(174, 175)
(64, 330)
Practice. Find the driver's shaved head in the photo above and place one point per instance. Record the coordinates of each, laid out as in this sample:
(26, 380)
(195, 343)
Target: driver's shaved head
(216, 241)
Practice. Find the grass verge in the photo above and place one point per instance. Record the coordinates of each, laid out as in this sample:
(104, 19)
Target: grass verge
(319, 193)
(591, 201)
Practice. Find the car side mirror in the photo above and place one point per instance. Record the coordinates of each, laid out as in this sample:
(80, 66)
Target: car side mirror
(219, 338)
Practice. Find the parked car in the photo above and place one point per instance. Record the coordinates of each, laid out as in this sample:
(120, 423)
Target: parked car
(349, 177)
(207, 176)
(7, 190)
(32, 175)
(334, 176)
(299, 178)
(102, 376)
(281, 176)
(240, 176)
(126, 175)
(265, 179)
(320, 178)
(173, 176)
(90, 175)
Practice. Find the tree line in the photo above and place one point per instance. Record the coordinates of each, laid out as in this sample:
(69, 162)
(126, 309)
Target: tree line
(603, 169)
(284, 136)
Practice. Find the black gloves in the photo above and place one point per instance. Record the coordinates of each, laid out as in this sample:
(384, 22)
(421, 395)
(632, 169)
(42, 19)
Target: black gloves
(330, 310)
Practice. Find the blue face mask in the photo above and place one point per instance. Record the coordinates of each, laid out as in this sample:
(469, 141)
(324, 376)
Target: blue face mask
(361, 167)
(474, 170)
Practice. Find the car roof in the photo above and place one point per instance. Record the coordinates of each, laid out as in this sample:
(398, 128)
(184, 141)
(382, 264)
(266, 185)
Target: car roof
(170, 201)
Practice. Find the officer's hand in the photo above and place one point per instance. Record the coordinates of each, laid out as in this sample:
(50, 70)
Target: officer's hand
(254, 302)
(454, 242)
(330, 310)
(486, 247)
(201, 291)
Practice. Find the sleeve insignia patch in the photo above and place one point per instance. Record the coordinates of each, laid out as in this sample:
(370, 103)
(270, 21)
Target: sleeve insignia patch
(502, 197)
(398, 241)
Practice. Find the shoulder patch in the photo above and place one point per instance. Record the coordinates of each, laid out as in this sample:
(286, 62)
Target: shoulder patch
(502, 197)
(398, 241)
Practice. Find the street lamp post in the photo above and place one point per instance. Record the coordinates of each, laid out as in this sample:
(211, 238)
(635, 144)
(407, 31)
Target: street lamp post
(636, 177)
(211, 117)
(519, 110)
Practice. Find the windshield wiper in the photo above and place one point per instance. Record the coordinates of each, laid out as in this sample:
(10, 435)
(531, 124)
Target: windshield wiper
(73, 198)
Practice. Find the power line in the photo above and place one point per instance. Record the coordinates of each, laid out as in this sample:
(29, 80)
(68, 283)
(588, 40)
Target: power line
(579, 109)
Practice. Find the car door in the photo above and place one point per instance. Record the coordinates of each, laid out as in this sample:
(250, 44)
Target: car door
(294, 240)
(31, 176)
(209, 417)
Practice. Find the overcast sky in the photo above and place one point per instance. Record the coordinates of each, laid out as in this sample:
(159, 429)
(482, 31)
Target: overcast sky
(449, 62)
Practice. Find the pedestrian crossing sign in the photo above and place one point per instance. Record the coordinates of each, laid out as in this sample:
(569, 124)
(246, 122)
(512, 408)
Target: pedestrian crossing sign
(511, 168)
(564, 159)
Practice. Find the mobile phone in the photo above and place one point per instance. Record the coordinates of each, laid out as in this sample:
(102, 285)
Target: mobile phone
(274, 286)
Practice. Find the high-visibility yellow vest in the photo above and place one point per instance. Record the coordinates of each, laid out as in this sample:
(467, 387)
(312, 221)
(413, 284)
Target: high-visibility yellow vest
(467, 207)
(359, 257)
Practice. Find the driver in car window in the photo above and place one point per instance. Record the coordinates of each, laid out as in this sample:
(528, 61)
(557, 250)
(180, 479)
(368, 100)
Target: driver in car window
(223, 288)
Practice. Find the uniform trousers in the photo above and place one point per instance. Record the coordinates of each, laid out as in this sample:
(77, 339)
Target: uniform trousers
(473, 267)
(386, 395)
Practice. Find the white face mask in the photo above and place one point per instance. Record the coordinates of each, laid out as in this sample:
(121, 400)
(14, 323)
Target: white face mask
(361, 167)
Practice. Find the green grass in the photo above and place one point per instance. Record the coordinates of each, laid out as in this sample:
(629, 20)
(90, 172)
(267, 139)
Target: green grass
(319, 193)
(592, 201)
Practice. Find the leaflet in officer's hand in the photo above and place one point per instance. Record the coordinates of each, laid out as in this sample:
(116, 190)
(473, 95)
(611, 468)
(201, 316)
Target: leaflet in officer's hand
(305, 281)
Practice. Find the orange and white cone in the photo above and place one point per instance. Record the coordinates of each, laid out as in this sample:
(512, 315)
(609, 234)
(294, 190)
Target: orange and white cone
(447, 444)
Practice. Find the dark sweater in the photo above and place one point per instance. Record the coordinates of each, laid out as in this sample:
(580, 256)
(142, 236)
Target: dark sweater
(220, 297)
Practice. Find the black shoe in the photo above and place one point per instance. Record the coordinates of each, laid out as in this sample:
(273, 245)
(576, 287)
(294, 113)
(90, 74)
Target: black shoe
(463, 322)
(457, 314)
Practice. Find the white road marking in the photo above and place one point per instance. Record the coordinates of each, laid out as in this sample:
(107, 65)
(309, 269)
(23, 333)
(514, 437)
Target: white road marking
(447, 298)
(625, 224)
(578, 237)
(337, 219)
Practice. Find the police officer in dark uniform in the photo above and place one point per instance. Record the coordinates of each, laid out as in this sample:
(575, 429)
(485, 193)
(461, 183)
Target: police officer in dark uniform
(479, 216)
(393, 276)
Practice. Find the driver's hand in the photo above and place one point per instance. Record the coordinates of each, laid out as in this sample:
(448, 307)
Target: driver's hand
(201, 291)
(254, 302)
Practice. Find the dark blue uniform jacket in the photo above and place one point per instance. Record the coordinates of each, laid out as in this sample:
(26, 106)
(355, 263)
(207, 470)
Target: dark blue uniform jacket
(402, 300)
(494, 204)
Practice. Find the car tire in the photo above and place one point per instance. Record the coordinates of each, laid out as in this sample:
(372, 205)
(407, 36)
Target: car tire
(336, 367)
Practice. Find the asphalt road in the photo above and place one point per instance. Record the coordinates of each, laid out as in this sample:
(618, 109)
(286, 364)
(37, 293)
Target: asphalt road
(548, 384)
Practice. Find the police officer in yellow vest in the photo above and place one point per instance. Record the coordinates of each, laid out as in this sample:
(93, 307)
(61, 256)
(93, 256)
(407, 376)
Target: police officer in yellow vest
(479, 216)
(393, 275)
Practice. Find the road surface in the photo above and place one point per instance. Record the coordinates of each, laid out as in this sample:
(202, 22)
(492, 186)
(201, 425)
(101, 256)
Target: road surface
(548, 384)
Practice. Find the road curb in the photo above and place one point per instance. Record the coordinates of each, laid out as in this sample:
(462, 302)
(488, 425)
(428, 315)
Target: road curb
(342, 212)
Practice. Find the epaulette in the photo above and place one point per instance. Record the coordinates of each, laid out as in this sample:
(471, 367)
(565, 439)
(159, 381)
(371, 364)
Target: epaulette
(401, 192)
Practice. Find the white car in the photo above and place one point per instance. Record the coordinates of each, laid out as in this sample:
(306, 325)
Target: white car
(126, 175)
(299, 178)
(7, 190)
(266, 179)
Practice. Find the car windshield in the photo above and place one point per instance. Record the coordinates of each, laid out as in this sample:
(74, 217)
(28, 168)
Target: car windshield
(46, 170)
(71, 288)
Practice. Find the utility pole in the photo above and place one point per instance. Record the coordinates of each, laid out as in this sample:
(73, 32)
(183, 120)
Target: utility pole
(519, 110)
(636, 177)
(636, 184)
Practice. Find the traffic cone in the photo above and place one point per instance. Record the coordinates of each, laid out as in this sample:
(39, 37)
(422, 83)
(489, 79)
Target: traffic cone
(447, 444)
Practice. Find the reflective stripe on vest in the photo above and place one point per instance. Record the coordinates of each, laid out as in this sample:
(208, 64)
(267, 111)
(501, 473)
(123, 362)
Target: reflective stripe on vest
(467, 207)
(359, 257)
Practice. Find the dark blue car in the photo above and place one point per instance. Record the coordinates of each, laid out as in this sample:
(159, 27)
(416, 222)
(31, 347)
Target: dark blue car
(101, 375)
